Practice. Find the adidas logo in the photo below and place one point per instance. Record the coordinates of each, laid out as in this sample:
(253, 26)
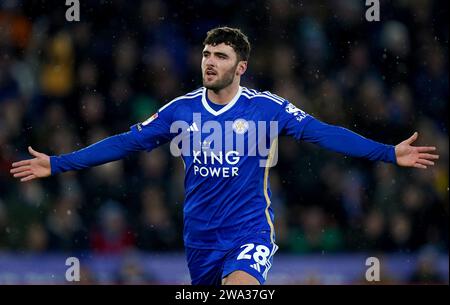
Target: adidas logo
(256, 266)
(193, 127)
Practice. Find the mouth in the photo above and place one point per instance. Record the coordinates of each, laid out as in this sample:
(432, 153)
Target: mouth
(210, 72)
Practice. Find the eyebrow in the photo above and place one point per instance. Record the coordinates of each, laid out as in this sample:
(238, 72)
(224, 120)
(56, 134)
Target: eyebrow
(216, 53)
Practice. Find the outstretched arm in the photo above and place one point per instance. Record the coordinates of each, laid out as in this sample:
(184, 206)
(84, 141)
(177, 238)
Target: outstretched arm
(148, 135)
(347, 142)
(302, 126)
(110, 149)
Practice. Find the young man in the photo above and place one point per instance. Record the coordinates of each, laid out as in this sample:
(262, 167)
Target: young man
(228, 229)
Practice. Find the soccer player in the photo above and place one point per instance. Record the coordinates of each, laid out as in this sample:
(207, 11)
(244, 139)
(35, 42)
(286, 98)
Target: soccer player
(228, 221)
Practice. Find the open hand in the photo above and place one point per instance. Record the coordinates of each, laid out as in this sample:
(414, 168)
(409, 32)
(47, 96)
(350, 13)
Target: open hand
(414, 156)
(30, 169)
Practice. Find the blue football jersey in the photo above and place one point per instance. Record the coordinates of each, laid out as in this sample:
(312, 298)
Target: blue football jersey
(227, 152)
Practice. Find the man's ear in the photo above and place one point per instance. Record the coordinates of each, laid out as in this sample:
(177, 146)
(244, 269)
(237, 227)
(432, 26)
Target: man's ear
(241, 68)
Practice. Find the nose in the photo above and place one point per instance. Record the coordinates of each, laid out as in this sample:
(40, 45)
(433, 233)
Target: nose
(209, 62)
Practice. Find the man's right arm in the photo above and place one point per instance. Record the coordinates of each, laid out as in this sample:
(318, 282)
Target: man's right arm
(143, 136)
(110, 149)
(148, 135)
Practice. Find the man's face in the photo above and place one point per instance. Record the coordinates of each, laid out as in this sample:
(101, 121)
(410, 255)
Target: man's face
(219, 66)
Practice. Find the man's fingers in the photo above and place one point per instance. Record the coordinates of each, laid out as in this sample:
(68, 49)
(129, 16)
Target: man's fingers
(28, 178)
(20, 163)
(412, 138)
(428, 156)
(425, 162)
(423, 149)
(23, 174)
(20, 169)
(418, 165)
(32, 151)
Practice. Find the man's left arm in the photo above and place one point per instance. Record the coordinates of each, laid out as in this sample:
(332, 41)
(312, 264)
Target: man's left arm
(295, 122)
(342, 140)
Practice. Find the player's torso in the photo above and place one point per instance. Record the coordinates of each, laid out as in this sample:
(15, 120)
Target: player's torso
(225, 151)
(228, 145)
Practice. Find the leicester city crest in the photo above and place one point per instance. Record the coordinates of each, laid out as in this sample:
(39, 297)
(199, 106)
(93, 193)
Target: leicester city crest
(240, 126)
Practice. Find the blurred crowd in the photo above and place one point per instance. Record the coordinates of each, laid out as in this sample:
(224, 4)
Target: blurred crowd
(65, 85)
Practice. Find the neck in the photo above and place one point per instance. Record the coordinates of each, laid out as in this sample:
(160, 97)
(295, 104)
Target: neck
(223, 96)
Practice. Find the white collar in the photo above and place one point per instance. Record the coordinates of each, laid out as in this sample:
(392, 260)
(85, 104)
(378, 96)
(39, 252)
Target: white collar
(224, 108)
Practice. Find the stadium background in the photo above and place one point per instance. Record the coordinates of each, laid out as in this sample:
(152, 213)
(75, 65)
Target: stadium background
(65, 85)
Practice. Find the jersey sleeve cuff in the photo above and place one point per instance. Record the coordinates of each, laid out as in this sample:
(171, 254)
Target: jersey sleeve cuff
(54, 168)
(391, 155)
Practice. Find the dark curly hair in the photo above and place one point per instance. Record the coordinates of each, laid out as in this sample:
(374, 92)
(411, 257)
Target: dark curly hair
(232, 37)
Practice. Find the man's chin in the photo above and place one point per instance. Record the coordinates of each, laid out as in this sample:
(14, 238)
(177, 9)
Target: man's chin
(217, 84)
(212, 86)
